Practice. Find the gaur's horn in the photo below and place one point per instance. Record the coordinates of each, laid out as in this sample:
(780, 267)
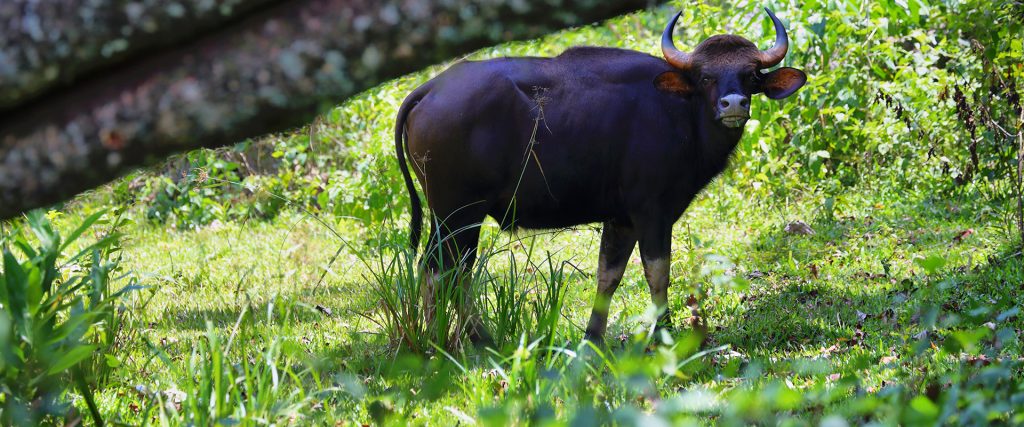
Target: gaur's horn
(677, 58)
(773, 56)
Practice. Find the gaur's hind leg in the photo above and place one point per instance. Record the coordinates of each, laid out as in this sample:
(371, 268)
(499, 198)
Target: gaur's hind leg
(451, 255)
(617, 242)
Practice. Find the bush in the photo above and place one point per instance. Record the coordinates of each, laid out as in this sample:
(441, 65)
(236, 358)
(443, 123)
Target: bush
(59, 320)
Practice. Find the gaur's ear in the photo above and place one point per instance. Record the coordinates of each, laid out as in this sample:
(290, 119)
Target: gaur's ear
(782, 82)
(673, 82)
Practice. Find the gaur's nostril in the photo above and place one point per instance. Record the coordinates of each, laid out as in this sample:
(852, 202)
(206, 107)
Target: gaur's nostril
(734, 105)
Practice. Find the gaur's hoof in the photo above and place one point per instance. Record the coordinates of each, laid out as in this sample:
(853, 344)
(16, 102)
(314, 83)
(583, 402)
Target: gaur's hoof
(480, 338)
(596, 341)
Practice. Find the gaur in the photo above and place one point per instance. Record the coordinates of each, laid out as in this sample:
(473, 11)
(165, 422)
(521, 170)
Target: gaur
(592, 135)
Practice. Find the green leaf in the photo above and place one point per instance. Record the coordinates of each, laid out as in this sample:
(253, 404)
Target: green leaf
(969, 340)
(25, 249)
(788, 399)
(101, 245)
(90, 220)
(914, 11)
(33, 290)
(112, 361)
(924, 406)
(71, 358)
(42, 228)
(1013, 312)
(17, 280)
(323, 199)
(931, 264)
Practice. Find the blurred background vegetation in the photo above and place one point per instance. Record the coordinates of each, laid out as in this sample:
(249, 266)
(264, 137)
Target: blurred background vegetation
(269, 282)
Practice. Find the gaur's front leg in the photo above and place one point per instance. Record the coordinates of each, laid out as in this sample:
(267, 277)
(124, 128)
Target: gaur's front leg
(617, 242)
(655, 252)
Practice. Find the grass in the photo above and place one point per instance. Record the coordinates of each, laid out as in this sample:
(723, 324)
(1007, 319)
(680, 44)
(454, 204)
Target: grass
(849, 299)
(902, 307)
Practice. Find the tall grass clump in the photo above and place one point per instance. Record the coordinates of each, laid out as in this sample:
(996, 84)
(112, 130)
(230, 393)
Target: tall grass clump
(524, 302)
(399, 284)
(60, 319)
(258, 390)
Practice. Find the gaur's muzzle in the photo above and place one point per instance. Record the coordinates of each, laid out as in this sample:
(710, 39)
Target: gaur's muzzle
(733, 110)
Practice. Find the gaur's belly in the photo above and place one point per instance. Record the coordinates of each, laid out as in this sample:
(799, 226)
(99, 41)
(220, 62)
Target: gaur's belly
(554, 211)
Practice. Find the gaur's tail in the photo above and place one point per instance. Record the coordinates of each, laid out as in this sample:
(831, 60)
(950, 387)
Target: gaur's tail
(416, 224)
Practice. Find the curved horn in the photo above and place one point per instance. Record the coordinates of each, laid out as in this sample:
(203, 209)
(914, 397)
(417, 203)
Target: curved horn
(674, 56)
(773, 56)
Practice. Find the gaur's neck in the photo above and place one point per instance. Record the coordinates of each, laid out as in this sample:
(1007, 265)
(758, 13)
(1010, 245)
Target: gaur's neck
(715, 144)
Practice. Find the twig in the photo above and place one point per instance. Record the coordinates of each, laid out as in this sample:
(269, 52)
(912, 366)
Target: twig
(584, 273)
(327, 268)
(238, 286)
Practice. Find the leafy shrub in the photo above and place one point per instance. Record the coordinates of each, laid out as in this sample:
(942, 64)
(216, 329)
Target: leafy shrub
(59, 320)
(197, 196)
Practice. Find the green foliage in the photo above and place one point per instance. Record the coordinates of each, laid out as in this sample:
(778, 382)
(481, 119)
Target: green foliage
(60, 319)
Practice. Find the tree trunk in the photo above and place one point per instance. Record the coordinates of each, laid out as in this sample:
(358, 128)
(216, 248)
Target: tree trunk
(46, 45)
(267, 67)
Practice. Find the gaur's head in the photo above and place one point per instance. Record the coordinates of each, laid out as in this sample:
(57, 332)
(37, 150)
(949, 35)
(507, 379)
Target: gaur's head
(726, 70)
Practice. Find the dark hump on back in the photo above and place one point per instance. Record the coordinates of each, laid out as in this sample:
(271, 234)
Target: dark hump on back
(612, 64)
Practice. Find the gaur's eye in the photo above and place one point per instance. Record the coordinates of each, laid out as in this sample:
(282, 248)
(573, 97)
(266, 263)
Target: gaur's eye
(705, 80)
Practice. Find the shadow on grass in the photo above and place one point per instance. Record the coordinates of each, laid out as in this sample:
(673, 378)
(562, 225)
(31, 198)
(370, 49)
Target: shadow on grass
(306, 306)
(796, 318)
(814, 291)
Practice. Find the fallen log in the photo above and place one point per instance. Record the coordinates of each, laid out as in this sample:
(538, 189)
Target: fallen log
(272, 69)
